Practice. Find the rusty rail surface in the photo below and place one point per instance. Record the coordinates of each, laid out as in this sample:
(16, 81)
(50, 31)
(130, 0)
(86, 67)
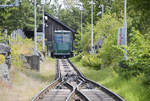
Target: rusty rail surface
(104, 89)
(70, 78)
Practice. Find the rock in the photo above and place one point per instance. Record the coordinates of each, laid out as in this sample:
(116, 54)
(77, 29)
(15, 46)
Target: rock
(41, 54)
(26, 61)
(31, 62)
(35, 62)
(23, 58)
(4, 72)
(5, 50)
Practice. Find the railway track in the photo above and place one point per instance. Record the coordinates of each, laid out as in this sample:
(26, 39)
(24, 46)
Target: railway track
(71, 85)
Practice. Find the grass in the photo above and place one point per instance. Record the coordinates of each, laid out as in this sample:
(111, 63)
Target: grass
(131, 90)
(2, 58)
(44, 75)
(25, 83)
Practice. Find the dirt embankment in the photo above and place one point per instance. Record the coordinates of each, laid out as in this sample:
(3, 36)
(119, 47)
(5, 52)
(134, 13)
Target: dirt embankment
(26, 83)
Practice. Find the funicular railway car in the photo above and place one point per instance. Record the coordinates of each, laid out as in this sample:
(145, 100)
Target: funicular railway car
(62, 43)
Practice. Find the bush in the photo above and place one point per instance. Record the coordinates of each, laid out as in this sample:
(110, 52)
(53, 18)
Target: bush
(109, 53)
(138, 57)
(2, 58)
(20, 46)
(107, 28)
(92, 61)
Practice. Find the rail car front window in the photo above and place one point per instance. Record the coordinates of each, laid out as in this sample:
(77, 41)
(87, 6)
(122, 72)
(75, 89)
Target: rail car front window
(62, 38)
(58, 38)
(66, 38)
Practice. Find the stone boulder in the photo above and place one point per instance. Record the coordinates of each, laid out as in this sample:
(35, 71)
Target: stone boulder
(5, 50)
(31, 61)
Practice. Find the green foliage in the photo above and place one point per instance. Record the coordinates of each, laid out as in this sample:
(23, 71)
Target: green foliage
(129, 74)
(18, 47)
(130, 89)
(39, 45)
(106, 28)
(107, 7)
(70, 17)
(2, 58)
(85, 44)
(138, 41)
(18, 17)
(77, 43)
(92, 61)
(2, 38)
(139, 57)
(140, 12)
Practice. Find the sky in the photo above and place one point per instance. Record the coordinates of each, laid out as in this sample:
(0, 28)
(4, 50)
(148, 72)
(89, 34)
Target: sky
(63, 5)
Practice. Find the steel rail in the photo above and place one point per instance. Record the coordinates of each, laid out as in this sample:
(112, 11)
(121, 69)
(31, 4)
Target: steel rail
(104, 89)
(71, 94)
(76, 91)
(81, 94)
(50, 86)
(58, 80)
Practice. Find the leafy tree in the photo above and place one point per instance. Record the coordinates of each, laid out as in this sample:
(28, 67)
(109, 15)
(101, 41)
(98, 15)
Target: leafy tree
(71, 17)
(138, 53)
(107, 8)
(139, 10)
(18, 17)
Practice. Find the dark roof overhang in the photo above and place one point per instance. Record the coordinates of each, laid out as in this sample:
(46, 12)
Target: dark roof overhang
(58, 21)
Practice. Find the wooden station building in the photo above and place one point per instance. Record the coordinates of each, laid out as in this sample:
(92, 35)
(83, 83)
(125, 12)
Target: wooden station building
(52, 24)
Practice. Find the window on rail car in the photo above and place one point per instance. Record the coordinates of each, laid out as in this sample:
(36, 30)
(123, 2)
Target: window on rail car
(66, 38)
(58, 38)
(62, 38)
